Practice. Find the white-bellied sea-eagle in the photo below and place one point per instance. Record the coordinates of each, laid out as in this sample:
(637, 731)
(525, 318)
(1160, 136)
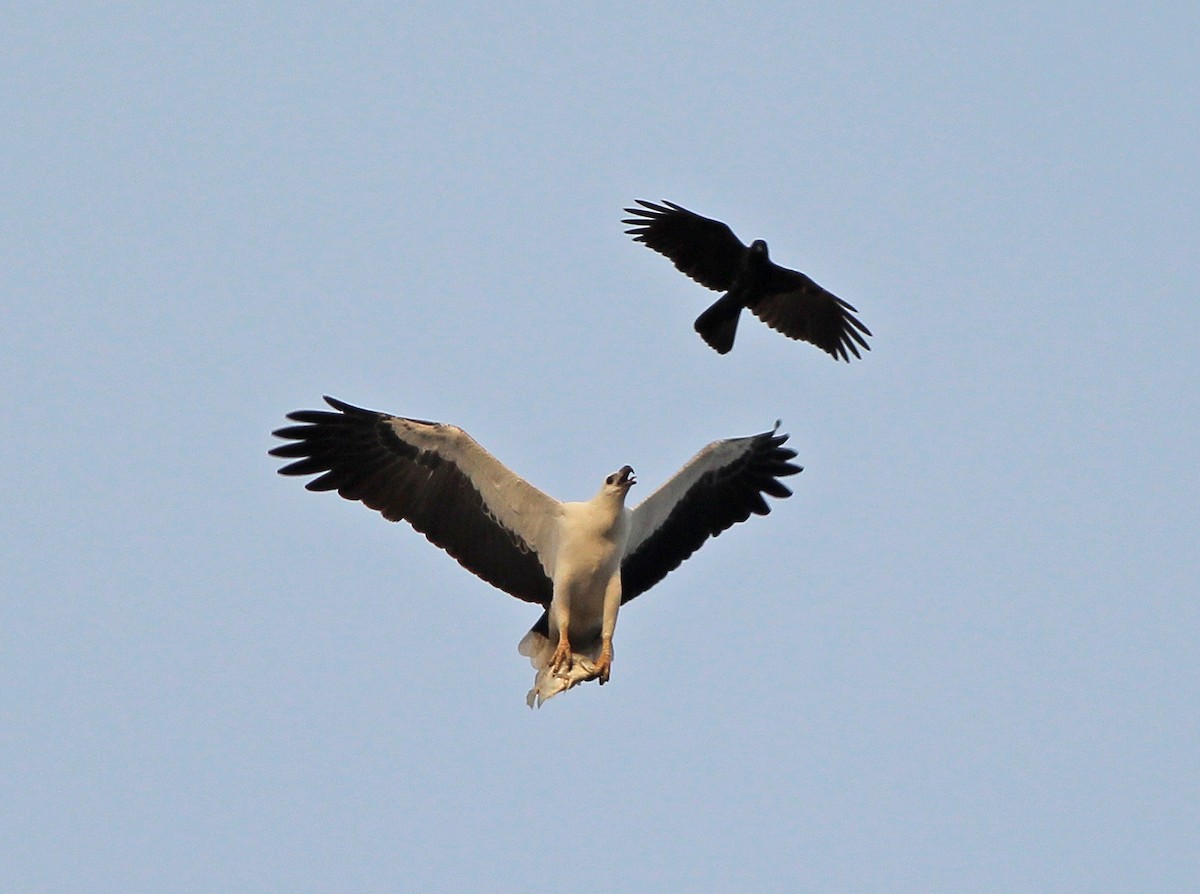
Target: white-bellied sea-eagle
(580, 561)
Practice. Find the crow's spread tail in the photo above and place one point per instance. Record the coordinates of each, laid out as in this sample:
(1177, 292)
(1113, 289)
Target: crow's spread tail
(718, 325)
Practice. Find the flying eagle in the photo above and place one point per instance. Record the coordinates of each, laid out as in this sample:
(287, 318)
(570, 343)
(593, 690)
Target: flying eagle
(786, 300)
(579, 561)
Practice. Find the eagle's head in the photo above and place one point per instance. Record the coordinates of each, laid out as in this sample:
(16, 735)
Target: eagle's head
(620, 480)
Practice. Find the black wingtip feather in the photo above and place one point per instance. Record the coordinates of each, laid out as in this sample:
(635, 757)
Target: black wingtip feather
(776, 489)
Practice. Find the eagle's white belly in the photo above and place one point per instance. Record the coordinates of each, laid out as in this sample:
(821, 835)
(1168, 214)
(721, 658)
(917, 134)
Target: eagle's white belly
(591, 544)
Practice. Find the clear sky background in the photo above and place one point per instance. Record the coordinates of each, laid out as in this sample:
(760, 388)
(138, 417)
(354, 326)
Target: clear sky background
(963, 657)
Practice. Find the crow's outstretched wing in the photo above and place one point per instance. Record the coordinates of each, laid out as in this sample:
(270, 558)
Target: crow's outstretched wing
(793, 304)
(703, 248)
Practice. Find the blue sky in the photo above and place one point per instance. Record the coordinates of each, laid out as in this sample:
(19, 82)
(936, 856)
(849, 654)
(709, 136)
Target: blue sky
(962, 657)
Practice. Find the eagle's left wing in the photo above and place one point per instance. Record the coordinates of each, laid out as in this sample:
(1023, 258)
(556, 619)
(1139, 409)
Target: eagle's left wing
(722, 485)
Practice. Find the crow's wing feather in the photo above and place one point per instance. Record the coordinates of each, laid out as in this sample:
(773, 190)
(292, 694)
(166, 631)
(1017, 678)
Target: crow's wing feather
(703, 248)
(793, 304)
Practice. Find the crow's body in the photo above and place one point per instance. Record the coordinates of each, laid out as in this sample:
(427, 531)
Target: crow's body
(786, 300)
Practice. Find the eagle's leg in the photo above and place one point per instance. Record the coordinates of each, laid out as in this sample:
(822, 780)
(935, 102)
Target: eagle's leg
(561, 659)
(604, 661)
(608, 626)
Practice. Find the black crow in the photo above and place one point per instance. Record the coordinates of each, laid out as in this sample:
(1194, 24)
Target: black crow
(786, 300)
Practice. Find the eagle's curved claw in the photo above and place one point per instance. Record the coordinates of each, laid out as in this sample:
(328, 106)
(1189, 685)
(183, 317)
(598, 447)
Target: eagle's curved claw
(604, 667)
(562, 659)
